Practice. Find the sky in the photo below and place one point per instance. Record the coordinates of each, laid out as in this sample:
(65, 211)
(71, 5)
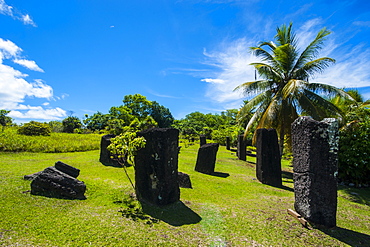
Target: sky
(75, 57)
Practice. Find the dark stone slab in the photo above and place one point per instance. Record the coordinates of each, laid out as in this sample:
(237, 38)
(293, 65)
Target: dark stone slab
(315, 165)
(268, 167)
(242, 148)
(53, 183)
(184, 180)
(156, 167)
(105, 155)
(206, 159)
(31, 176)
(70, 170)
(202, 139)
(228, 140)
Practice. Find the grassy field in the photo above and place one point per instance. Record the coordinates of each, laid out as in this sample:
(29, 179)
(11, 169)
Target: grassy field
(11, 141)
(232, 209)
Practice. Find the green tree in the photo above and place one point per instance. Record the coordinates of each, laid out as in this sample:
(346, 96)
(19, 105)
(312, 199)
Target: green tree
(98, 121)
(138, 104)
(284, 91)
(4, 119)
(71, 123)
(356, 110)
(56, 126)
(161, 115)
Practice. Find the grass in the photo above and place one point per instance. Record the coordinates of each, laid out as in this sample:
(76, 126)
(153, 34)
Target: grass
(11, 141)
(234, 210)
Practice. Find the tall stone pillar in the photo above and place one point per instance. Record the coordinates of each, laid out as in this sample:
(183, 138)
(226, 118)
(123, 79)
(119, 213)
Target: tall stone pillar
(242, 148)
(315, 165)
(105, 155)
(228, 140)
(156, 167)
(268, 168)
(206, 159)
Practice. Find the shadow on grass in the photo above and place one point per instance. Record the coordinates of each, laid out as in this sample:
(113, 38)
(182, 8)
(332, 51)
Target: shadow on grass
(287, 175)
(347, 236)
(176, 214)
(357, 195)
(217, 174)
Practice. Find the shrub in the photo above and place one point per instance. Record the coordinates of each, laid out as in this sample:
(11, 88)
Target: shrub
(354, 153)
(34, 128)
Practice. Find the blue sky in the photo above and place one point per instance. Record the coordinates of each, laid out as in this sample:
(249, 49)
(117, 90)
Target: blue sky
(82, 56)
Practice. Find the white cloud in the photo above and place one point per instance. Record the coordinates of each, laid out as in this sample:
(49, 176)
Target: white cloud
(27, 20)
(28, 64)
(14, 88)
(8, 49)
(39, 113)
(5, 9)
(10, 11)
(232, 62)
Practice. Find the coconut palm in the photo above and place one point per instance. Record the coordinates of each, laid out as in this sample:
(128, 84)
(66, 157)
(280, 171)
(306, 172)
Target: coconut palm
(356, 110)
(284, 91)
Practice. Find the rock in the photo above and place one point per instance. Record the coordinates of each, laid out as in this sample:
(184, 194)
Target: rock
(242, 148)
(184, 180)
(156, 167)
(268, 167)
(315, 165)
(206, 159)
(31, 176)
(67, 169)
(52, 182)
(228, 140)
(105, 155)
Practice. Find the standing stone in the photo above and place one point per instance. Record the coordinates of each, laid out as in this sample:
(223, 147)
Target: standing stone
(105, 155)
(156, 167)
(228, 142)
(242, 148)
(184, 180)
(206, 159)
(315, 165)
(268, 168)
(203, 140)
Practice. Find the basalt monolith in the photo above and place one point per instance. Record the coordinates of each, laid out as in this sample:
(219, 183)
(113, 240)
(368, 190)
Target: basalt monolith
(315, 165)
(105, 155)
(156, 167)
(268, 167)
(206, 159)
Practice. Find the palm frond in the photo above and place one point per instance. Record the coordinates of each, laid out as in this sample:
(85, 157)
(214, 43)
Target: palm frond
(312, 67)
(311, 51)
(329, 90)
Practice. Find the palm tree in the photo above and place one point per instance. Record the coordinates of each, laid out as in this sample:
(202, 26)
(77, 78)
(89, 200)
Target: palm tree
(356, 110)
(284, 92)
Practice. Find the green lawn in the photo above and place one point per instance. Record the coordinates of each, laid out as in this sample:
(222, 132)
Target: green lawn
(236, 210)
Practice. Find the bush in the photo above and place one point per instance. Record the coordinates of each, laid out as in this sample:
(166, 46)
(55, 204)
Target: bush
(34, 128)
(354, 153)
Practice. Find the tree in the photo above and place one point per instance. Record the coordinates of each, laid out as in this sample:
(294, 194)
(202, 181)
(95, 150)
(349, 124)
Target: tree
(4, 119)
(284, 92)
(161, 115)
(71, 123)
(138, 104)
(98, 121)
(356, 110)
